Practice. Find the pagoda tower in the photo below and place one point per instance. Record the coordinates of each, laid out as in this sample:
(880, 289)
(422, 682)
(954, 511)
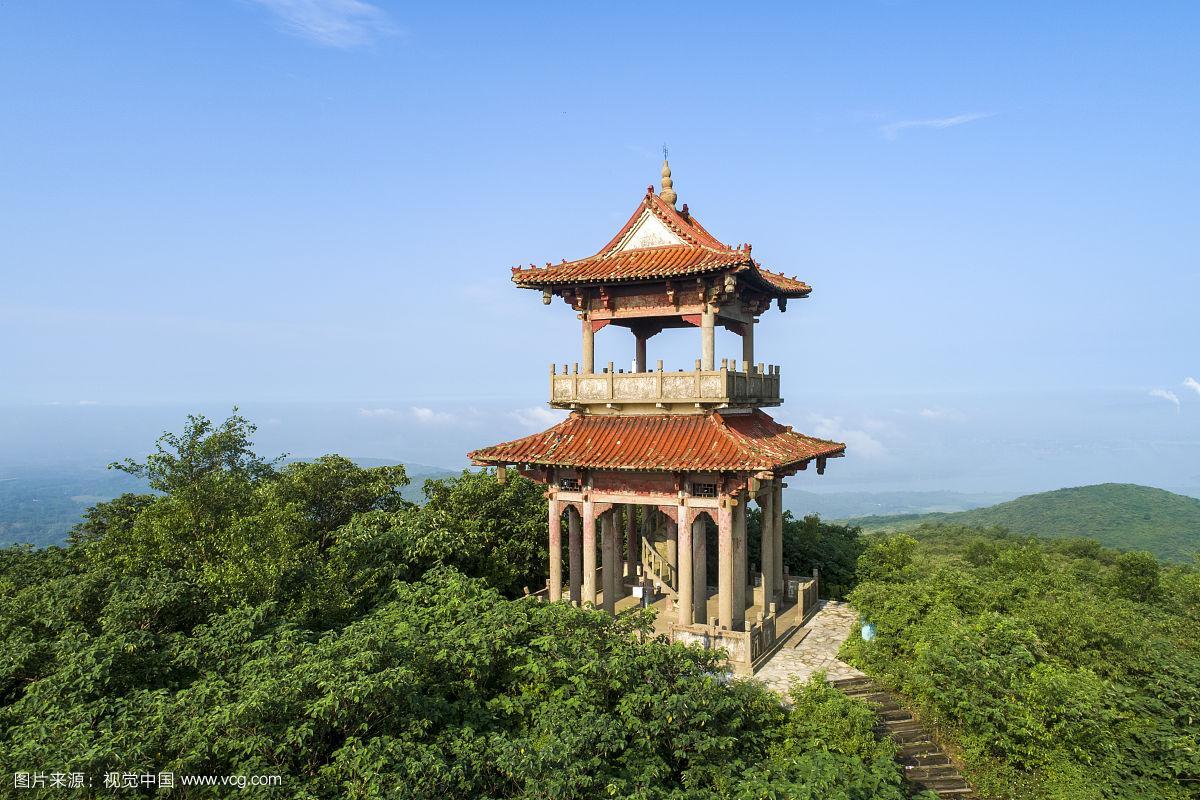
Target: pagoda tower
(664, 462)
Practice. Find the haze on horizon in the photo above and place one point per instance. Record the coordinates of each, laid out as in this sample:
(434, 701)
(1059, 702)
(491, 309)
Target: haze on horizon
(309, 209)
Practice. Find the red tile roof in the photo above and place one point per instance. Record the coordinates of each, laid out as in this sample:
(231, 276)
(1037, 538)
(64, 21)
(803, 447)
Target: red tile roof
(701, 253)
(664, 443)
(631, 265)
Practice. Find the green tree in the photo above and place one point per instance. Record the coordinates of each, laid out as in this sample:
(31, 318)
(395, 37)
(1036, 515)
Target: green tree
(887, 558)
(1137, 576)
(1049, 683)
(305, 622)
(809, 544)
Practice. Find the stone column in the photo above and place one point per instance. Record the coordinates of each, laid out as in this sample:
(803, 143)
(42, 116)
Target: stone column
(589, 346)
(612, 579)
(589, 553)
(672, 531)
(707, 342)
(739, 562)
(766, 503)
(777, 508)
(699, 571)
(633, 549)
(748, 342)
(683, 603)
(725, 564)
(639, 355)
(575, 555)
(555, 551)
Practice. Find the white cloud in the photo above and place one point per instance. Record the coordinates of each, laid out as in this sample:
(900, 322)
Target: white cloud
(1193, 384)
(331, 23)
(942, 414)
(536, 418)
(427, 416)
(422, 415)
(1166, 394)
(858, 443)
(893, 129)
(377, 412)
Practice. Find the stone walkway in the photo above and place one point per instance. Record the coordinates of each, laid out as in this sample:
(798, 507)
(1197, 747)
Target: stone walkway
(828, 628)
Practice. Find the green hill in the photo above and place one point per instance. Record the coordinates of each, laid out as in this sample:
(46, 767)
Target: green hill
(1121, 515)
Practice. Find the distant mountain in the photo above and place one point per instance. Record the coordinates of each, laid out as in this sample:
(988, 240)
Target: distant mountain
(1121, 515)
(40, 504)
(839, 505)
(417, 474)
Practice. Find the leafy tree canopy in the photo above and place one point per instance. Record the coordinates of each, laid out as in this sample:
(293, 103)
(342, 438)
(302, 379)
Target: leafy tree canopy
(1061, 669)
(305, 621)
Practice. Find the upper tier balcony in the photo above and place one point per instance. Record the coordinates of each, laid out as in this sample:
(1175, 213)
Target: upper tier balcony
(658, 391)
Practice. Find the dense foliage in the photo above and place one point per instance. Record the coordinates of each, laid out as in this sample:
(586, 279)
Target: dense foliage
(1120, 515)
(306, 621)
(1062, 669)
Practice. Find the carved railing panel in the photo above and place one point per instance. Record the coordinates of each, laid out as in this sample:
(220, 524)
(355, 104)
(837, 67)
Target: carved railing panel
(720, 387)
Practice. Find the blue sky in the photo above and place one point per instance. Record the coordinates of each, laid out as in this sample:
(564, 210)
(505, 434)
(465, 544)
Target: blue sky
(309, 207)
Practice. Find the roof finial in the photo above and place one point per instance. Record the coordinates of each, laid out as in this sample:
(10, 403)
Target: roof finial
(668, 192)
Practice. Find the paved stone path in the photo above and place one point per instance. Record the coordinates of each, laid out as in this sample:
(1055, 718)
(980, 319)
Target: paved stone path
(828, 628)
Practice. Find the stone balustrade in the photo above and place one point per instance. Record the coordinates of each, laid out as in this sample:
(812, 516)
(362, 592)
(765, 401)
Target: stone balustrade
(752, 385)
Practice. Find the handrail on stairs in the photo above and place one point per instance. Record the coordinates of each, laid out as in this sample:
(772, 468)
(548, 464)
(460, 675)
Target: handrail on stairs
(658, 566)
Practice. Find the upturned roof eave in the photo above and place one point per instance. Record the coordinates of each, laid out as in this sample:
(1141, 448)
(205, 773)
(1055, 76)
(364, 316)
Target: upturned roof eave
(731, 451)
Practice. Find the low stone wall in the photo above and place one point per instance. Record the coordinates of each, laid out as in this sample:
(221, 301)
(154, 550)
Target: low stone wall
(804, 592)
(742, 647)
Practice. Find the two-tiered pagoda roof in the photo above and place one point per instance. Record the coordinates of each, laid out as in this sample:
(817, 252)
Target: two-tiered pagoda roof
(664, 246)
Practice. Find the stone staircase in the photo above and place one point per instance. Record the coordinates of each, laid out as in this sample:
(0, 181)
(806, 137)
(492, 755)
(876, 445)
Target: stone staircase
(925, 764)
(661, 573)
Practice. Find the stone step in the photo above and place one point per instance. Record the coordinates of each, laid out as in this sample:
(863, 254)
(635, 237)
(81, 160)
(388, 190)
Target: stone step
(925, 765)
(925, 774)
(945, 791)
(878, 698)
(917, 750)
(918, 736)
(897, 715)
(933, 759)
(902, 726)
(870, 687)
(952, 782)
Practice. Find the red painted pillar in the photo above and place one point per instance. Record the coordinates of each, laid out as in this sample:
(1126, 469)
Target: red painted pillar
(575, 554)
(589, 553)
(725, 563)
(633, 548)
(739, 562)
(683, 606)
(555, 551)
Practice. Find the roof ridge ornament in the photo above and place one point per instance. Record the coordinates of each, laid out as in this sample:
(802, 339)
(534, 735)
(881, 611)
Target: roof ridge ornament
(668, 191)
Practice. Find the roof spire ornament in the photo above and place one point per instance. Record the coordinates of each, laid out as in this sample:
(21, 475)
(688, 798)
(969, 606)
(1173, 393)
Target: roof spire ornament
(668, 192)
